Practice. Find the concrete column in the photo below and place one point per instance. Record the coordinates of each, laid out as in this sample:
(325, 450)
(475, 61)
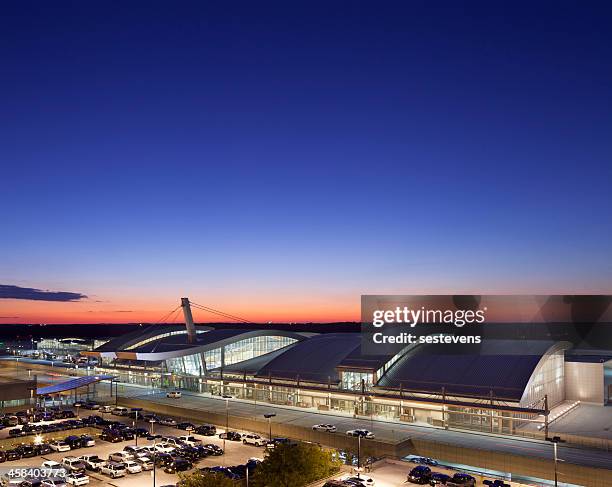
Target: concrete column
(191, 331)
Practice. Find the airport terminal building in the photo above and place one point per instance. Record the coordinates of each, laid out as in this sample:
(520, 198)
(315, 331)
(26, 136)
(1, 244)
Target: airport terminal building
(498, 391)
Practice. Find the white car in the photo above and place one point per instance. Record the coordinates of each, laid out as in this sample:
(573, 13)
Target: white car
(53, 482)
(363, 433)
(106, 409)
(174, 394)
(251, 439)
(329, 428)
(113, 469)
(120, 411)
(59, 446)
(190, 440)
(73, 464)
(164, 448)
(120, 456)
(167, 421)
(132, 467)
(51, 464)
(77, 478)
(92, 462)
(145, 463)
(363, 479)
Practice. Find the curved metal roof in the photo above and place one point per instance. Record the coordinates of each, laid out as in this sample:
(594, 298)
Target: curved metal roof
(313, 360)
(498, 369)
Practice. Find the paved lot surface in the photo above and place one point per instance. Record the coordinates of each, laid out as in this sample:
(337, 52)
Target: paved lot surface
(235, 453)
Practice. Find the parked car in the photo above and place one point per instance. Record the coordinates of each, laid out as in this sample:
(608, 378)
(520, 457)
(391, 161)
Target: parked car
(92, 462)
(359, 480)
(53, 482)
(174, 394)
(120, 411)
(120, 456)
(52, 465)
(87, 441)
(113, 470)
(12, 454)
(190, 440)
(461, 480)
(77, 479)
(178, 464)
(167, 422)
(132, 467)
(329, 428)
(27, 451)
(164, 448)
(172, 441)
(438, 478)
(111, 435)
(420, 475)
(73, 464)
(424, 461)
(105, 409)
(185, 425)
(360, 432)
(230, 435)
(59, 445)
(92, 406)
(162, 459)
(252, 439)
(270, 445)
(145, 463)
(206, 430)
(214, 450)
(74, 442)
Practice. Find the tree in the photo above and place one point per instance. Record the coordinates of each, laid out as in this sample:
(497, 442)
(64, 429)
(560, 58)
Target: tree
(206, 479)
(294, 466)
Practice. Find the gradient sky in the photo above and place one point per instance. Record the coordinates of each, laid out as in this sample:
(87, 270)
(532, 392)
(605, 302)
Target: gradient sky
(277, 160)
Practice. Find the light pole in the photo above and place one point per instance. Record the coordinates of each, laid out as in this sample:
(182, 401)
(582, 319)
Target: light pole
(135, 423)
(358, 455)
(555, 440)
(269, 418)
(151, 421)
(77, 405)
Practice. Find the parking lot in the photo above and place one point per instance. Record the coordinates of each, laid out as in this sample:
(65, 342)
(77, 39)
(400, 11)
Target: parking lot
(235, 453)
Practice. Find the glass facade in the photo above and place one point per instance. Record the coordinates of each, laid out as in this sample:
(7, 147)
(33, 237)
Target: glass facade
(352, 381)
(230, 354)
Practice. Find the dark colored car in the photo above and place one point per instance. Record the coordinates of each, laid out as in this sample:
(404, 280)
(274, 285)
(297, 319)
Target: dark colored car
(213, 450)
(420, 475)
(206, 430)
(178, 464)
(438, 478)
(93, 406)
(12, 455)
(462, 479)
(185, 425)
(111, 435)
(43, 449)
(231, 436)
(15, 432)
(222, 470)
(141, 432)
(26, 451)
(188, 452)
(2, 456)
(202, 451)
(163, 459)
(128, 433)
(74, 442)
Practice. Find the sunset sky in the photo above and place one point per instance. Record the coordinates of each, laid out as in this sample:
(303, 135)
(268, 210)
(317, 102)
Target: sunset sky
(278, 160)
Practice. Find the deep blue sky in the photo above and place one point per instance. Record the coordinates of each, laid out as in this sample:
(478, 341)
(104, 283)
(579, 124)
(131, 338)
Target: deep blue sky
(280, 159)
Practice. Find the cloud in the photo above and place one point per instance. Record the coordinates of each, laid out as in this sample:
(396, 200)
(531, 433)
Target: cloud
(8, 291)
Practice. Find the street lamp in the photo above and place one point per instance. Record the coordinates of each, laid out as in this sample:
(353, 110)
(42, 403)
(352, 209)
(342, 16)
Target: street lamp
(77, 405)
(358, 455)
(555, 440)
(135, 423)
(227, 398)
(151, 421)
(269, 418)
